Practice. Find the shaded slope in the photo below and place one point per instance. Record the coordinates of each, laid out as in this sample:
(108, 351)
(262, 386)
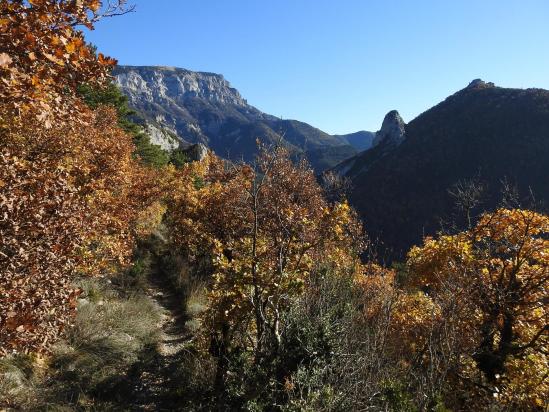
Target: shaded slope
(483, 132)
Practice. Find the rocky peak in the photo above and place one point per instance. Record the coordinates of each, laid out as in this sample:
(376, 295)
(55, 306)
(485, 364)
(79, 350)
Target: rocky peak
(479, 84)
(392, 130)
(157, 84)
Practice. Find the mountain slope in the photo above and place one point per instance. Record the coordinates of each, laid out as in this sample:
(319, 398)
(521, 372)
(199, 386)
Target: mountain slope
(198, 107)
(482, 133)
(360, 140)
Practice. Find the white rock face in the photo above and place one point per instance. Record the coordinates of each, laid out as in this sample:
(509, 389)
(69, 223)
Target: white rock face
(392, 130)
(155, 84)
(162, 137)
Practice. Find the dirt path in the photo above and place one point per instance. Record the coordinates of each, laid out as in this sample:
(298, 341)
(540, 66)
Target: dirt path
(157, 378)
(174, 335)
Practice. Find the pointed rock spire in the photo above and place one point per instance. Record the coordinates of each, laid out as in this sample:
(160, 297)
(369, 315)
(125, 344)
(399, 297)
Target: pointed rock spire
(392, 130)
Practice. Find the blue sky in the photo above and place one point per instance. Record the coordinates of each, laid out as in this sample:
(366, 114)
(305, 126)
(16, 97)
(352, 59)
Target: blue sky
(339, 65)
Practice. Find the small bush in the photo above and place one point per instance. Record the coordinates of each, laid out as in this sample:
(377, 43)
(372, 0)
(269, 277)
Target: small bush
(197, 300)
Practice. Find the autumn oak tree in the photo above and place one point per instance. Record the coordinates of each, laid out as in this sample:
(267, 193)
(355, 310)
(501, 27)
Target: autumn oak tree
(71, 192)
(268, 227)
(44, 57)
(502, 265)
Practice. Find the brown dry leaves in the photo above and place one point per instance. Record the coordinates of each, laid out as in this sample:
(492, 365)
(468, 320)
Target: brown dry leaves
(70, 192)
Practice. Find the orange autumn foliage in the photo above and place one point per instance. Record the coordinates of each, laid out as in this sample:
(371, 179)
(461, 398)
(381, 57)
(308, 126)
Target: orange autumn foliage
(496, 278)
(70, 191)
(265, 228)
(67, 208)
(44, 57)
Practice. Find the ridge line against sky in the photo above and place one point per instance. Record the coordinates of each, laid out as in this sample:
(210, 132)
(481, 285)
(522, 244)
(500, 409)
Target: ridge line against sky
(340, 66)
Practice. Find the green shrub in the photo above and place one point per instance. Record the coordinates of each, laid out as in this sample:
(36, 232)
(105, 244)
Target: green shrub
(395, 396)
(178, 158)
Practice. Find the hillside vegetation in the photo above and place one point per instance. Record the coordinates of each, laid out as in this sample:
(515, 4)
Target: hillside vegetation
(132, 280)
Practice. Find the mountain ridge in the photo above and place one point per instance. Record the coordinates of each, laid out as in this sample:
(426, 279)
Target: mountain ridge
(202, 107)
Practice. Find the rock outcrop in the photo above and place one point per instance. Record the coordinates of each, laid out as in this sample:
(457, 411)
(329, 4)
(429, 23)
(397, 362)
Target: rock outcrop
(389, 137)
(392, 130)
(479, 84)
(162, 137)
(196, 152)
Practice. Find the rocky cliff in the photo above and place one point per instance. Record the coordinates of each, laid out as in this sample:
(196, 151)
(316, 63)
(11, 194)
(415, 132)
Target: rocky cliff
(184, 107)
(153, 84)
(386, 139)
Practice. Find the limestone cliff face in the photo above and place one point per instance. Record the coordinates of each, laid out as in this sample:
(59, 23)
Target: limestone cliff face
(191, 105)
(195, 107)
(158, 84)
(162, 137)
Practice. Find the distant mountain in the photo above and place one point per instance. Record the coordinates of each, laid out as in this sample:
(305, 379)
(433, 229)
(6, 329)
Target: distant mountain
(482, 133)
(181, 106)
(359, 140)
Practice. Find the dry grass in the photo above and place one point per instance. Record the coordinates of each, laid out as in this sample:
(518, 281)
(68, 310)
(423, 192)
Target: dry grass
(110, 334)
(196, 304)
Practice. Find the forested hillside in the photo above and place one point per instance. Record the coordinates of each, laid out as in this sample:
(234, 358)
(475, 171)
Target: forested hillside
(484, 140)
(136, 279)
